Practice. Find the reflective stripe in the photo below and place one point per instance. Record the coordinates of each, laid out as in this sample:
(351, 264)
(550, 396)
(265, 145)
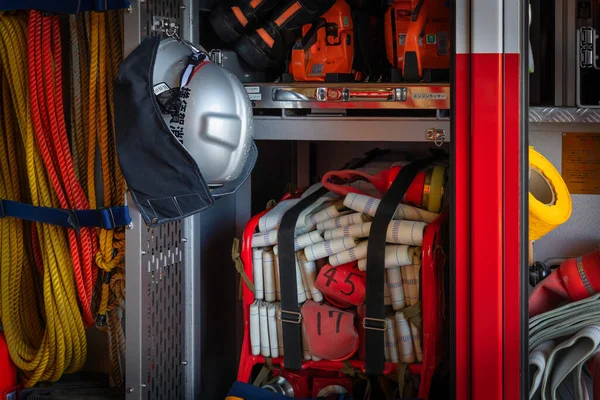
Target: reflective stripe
(239, 15)
(287, 14)
(584, 278)
(255, 3)
(266, 37)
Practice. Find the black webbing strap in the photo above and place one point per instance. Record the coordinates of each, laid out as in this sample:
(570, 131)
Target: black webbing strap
(291, 317)
(290, 311)
(374, 321)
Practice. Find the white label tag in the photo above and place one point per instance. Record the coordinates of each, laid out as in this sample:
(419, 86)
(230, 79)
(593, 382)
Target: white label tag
(252, 89)
(160, 88)
(255, 96)
(429, 96)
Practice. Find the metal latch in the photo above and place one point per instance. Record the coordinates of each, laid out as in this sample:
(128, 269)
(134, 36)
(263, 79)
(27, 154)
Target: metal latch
(436, 135)
(165, 25)
(216, 56)
(587, 47)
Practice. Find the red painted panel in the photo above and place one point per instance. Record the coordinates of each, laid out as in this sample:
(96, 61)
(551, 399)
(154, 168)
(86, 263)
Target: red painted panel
(512, 227)
(486, 226)
(462, 251)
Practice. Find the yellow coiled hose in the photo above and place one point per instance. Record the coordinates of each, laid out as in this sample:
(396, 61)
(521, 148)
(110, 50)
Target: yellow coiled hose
(39, 311)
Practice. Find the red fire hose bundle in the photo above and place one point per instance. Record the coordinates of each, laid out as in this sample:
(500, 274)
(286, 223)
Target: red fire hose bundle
(331, 240)
(575, 279)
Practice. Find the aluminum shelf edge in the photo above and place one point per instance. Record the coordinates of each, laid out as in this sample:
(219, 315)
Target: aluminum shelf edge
(564, 115)
(348, 129)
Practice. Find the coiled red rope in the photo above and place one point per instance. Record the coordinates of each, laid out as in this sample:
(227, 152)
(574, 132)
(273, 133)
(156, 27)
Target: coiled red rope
(45, 69)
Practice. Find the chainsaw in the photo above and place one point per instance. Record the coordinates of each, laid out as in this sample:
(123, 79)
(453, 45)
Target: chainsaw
(417, 36)
(325, 51)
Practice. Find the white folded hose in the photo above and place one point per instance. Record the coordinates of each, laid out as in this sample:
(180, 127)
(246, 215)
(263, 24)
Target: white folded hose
(272, 218)
(268, 276)
(398, 232)
(394, 279)
(391, 340)
(395, 255)
(404, 337)
(310, 272)
(276, 273)
(305, 285)
(255, 328)
(264, 239)
(328, 248)
(273, 338)
(257, 274)
(333, 211)
(387, 297)
(344, 220)
(368, 205)
(265, 347)
(279, 329)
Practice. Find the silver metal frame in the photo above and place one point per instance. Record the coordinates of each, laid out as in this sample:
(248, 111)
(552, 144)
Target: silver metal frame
(565, 47)
(163, 289)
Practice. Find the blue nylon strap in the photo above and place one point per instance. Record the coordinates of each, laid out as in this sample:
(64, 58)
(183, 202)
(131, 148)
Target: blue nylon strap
(63, 6)
(106, 218)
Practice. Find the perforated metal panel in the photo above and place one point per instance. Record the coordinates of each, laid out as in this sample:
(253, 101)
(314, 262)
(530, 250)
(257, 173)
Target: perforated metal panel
(156, 310)
(165, 313)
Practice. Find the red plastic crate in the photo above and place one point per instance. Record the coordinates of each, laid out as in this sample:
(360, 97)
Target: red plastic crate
(432, 260)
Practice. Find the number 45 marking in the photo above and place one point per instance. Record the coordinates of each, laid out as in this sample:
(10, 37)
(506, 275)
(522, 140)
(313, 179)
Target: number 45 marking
(331, 278)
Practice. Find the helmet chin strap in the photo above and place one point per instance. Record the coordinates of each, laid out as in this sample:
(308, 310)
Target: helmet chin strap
(173, 33)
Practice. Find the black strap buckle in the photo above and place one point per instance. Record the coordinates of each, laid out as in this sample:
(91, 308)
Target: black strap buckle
(372, 324)
(73, 220)
(293, 317)
(112, 224)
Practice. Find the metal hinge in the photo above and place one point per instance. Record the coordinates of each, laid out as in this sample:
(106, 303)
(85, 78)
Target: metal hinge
(437, 136)
(165, 25)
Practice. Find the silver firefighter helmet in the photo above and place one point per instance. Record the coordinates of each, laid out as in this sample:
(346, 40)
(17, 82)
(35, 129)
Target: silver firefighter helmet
(211, 114)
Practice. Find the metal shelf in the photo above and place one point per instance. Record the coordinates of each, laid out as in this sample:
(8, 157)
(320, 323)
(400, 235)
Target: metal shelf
(350, 111)
(348, 129)
(562, 115)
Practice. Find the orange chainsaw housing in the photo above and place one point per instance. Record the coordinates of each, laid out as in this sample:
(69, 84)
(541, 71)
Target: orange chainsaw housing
(417, 35)
(326, 46)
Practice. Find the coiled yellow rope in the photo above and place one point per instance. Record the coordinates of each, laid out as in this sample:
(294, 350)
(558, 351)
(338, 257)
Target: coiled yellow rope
(105, 56)
(45, 334)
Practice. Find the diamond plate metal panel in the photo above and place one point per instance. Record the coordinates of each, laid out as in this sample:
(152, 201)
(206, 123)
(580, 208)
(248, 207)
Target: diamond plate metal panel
(564, 115)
